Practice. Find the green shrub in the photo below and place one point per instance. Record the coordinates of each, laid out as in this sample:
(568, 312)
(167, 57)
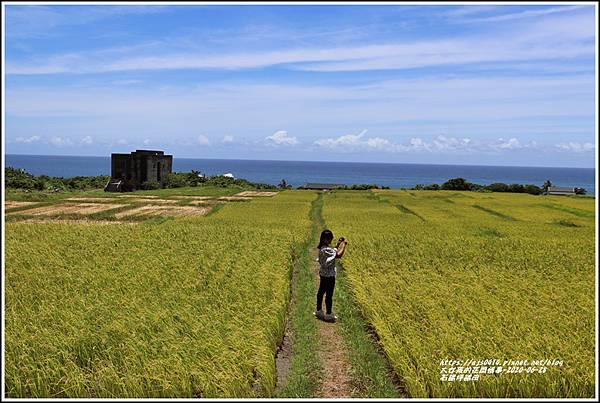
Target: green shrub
(224, 181)
(150, 185)
(21, 179)
(462, 184)
(175, 180)
(457, 184)
(362, 186)
(533, 189)
(498, 187)
(433, 186)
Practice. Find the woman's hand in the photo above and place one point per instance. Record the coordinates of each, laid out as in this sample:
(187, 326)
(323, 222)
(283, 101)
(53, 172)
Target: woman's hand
(341, 241)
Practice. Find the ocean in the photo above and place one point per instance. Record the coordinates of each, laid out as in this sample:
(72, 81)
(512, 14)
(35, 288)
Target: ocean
(296, 173)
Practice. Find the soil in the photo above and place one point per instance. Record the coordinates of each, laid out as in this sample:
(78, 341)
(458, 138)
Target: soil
(70, 208)
(172, 211)
(79, 222)
(283, 359)
(13, 203)
(193, 197)
(140, 196)
(234, 198)
(94, 199)
(253, 193)
(153, 201)
(202, 202)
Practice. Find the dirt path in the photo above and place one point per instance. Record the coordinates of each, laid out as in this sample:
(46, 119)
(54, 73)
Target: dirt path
(322, 366)
(332, 352)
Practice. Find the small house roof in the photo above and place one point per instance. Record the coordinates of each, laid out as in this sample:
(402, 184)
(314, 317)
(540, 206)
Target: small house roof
(321, 186)
(560, 189)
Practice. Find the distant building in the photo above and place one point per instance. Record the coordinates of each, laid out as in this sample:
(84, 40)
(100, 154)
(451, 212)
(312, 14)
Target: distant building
(321, 186)
(554, 190)
(130, 171)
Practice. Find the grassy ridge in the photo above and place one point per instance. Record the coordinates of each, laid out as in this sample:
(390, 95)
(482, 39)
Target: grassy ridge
(305, 368)
(468, 284)
(190, 307)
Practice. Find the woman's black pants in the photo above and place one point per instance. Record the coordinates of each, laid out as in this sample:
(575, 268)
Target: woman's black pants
(326, 287)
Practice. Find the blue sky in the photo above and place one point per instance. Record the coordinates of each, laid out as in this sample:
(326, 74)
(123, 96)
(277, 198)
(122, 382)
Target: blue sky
(462, 84)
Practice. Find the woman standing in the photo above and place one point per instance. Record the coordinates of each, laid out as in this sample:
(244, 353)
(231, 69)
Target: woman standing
(327, 270)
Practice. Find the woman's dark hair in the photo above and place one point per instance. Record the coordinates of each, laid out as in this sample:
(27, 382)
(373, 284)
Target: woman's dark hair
(326, 237)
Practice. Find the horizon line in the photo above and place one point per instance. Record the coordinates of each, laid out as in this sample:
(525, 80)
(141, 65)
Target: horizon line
(335, 162)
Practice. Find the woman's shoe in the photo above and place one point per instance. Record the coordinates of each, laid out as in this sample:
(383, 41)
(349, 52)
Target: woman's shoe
(330, 317)
(319, 314)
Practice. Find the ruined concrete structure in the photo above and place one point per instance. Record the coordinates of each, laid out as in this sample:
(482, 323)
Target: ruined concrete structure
(130, 171)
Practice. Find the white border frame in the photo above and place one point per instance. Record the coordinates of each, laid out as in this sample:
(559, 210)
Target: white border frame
(273, 3)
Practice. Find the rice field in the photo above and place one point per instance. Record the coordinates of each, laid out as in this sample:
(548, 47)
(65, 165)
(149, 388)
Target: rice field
(93, 199)
(70, 208)
(234, 198)
(96, 207)
(453, 275)
(166, 211)
(9, 204)
(193, 307)
(254, 193)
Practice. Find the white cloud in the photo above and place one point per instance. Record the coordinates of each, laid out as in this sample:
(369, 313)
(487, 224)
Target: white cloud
(228, 139)
(358, 142)
(370, 57)
(457, 12)
(146, 141)
(27, 140)
(475, 107)
(525, 14)
(417, 143)
(443, 143)
(121, 141)
(126, 82)
(439, 144)
(354, 142)
(203, 140)
(571, 35)
(509, 144)
(29, 21)
(60, 141)
(576, 147)
(280, 138)
(378, 143)
(86, 140)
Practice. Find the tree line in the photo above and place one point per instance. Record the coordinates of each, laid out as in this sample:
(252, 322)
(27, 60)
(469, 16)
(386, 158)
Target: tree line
(16, 178)
(462, 184)
(20, 179)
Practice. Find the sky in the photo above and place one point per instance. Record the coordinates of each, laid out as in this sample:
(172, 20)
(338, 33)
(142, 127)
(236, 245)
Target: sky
(458, 84)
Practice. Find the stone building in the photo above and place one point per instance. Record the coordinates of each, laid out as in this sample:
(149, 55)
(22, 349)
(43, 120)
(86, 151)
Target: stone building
(130, 171)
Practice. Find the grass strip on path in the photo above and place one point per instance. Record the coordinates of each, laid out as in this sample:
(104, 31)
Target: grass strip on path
(304, 369)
